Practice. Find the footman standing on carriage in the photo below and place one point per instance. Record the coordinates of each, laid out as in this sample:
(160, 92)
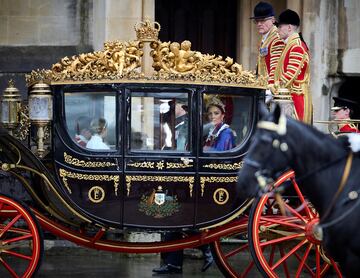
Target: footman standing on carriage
(270, 45)
(293, 69)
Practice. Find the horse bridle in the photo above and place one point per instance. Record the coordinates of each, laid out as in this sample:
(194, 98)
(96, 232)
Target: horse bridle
(261, 174)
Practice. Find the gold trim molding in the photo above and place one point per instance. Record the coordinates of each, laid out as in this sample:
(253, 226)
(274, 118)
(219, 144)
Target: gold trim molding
(86, 164)
(171, 179)
(172, 61)
(223, 166)
(204, 180)
(66, 174)
(160, 165)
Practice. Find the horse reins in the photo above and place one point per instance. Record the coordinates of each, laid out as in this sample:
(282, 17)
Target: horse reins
(342, 184)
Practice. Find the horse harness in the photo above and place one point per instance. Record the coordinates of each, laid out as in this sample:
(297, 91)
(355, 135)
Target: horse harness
(263, 181)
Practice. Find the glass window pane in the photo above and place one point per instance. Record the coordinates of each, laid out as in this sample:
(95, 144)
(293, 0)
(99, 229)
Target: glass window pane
(91, 119)
(159, 122)
(226, 121)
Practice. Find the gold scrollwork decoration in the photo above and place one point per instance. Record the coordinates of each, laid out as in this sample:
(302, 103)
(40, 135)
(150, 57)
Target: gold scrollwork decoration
(66, 174)
(204, 180)
(172, 179)
(172, 61)
(144, 164)
(175, 165)
(223, 166)
(22, 130)
(160, 165)
(86, 164)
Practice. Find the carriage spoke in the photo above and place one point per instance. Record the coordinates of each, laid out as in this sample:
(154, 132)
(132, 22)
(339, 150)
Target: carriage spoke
(302, 198)
(18, 255)
(286, 269)
(247, 270)
(8, 268)
(284, 221)
(291, 252)
(282, 239)
(236, 251)
(303, 261)
(8, 226)
(15, 239)
(272, 254)
(317, 259)
(296, 213)
(336, 267)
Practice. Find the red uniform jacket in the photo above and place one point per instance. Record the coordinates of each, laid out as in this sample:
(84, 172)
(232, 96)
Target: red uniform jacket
(348, 128)
(293, 73)
(269, 53)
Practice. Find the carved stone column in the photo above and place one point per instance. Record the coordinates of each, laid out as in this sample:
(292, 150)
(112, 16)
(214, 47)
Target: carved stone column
(243, 40)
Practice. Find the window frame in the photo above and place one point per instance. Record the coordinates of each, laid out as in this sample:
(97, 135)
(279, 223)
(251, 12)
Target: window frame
(153, 90)
(95, 89)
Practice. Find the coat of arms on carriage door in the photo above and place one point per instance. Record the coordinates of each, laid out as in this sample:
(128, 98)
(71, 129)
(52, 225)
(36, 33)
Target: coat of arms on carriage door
(158, 204)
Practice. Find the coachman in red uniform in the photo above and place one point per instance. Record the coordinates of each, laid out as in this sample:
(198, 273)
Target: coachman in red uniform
(270, 44)
(293, 69)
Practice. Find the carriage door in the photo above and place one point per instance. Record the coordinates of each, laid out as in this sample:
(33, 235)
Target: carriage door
(227, 121)
(86, 150)
(159, 160)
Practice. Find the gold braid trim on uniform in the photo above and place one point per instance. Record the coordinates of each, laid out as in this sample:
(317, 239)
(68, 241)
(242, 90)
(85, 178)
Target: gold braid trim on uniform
(262, 70)
(294, 40)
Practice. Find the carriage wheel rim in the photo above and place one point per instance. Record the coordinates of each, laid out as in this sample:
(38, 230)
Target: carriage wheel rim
(222, 257)
(35, 239)
(309, 222)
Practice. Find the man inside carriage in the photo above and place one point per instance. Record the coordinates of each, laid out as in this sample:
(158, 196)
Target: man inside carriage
(343, 110)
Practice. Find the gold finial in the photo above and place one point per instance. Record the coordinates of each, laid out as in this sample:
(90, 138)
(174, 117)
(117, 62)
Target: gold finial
(147, 31)
(11, 84)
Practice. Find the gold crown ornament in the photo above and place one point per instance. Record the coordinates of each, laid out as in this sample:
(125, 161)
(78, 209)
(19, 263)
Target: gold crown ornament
(147, 31)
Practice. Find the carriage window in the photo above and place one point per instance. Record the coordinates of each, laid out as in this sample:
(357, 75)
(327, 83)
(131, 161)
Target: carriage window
(159, 122)
(226, 121)
(91, 119)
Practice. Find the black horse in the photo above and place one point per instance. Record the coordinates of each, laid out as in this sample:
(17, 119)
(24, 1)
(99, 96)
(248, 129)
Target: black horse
(327, 170)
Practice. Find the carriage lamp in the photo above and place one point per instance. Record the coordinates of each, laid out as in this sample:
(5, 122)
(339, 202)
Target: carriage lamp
(10, 107)
(40, 111)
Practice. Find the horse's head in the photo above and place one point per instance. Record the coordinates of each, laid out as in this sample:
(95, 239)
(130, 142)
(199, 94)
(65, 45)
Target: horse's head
(268, 154)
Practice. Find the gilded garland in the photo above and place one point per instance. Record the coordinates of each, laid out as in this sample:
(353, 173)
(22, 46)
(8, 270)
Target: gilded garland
(66, 174)
(172, 61)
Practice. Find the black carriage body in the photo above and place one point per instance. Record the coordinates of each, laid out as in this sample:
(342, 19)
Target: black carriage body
(141, 182)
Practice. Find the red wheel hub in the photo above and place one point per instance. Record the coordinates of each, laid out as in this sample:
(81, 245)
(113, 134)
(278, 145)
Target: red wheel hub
(310, 231)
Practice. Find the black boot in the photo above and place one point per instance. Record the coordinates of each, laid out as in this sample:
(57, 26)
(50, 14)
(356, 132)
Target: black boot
(168, 269)
(208, 258)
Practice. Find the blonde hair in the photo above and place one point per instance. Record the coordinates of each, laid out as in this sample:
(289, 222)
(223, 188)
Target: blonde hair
(98, 125)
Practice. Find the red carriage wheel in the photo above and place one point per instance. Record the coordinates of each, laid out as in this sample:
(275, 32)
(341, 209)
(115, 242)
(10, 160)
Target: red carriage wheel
(231, 252)
(284, 245)
(21, 241)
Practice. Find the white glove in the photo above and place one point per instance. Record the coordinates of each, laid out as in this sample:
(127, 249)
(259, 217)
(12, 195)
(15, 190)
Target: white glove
(268, 96)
